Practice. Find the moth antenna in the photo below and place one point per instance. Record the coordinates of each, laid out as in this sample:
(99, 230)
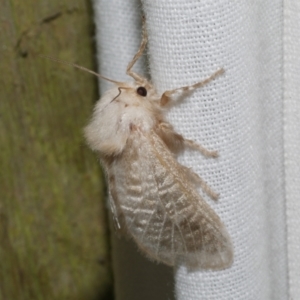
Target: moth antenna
(81, 68)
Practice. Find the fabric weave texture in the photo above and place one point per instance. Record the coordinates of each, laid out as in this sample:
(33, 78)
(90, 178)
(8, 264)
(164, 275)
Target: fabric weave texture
(246, 114)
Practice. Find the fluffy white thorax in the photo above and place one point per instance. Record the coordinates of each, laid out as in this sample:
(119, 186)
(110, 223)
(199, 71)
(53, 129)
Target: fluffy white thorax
(119, 109)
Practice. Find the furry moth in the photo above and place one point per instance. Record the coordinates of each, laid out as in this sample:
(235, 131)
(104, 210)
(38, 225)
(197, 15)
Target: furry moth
(153, 197)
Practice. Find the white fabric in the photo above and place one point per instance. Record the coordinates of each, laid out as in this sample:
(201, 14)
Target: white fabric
(291, 79)
(239, 114)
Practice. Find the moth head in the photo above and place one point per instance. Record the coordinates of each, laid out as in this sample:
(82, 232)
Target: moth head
(138, 93)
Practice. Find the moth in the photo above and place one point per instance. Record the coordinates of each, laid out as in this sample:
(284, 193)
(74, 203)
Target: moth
(152, 196)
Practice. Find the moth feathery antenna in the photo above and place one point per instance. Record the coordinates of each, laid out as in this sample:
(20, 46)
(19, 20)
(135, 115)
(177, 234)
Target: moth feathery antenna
(81, 68)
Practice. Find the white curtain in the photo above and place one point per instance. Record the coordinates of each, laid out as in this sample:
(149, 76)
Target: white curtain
(251, 115)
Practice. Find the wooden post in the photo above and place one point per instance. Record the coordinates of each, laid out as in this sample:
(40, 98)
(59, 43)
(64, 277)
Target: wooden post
(53, 234)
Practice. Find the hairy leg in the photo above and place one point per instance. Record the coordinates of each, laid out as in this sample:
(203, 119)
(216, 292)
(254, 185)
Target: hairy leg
(143, 44)
(176, 142)
(168, 95)
(195, 146)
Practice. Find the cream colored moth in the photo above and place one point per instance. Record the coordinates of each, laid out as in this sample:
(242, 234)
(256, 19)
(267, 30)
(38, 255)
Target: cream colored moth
(153, 198)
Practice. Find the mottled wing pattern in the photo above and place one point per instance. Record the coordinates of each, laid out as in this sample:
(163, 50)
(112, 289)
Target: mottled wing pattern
(163, 211)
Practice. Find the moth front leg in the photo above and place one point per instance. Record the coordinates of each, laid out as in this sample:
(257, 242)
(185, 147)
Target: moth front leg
(171, 95)
(139, 53)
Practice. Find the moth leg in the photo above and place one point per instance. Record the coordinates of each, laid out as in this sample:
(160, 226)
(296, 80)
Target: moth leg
(207, 153)
(143, 44)
(113, 201)
(176, 93)
(113, 198)
(113, 207)
(176, 142)
(199, 181)
(172, 139)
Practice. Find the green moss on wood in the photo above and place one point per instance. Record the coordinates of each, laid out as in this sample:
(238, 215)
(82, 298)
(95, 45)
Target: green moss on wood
(53, 236)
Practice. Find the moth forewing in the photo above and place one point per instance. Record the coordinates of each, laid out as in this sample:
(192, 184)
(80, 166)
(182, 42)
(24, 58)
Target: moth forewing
(153, 197)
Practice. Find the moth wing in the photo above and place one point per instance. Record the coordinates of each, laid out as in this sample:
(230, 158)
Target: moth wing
(163, 211)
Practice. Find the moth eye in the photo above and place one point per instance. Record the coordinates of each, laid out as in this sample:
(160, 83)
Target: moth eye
(141, 91)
